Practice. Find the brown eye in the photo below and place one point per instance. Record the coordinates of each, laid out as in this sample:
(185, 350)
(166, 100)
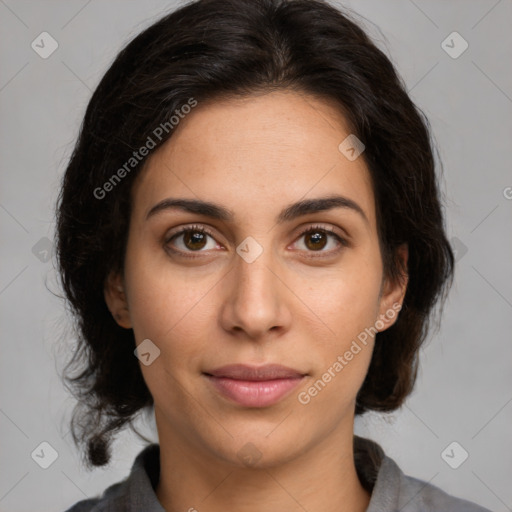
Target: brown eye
(315, 240)
(194, 240)
(190, 239)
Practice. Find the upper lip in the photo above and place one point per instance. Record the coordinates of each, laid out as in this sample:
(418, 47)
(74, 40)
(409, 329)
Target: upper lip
(255, 373)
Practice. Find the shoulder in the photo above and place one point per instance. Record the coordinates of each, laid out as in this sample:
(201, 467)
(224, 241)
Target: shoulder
(135, 492)
(410, 494)
(112, 500)
(392, 490)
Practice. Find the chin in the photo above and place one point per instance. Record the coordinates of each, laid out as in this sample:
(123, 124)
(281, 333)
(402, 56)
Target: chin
(259, 447)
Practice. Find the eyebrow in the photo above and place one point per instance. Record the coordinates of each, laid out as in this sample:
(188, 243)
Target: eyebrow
(291, 212)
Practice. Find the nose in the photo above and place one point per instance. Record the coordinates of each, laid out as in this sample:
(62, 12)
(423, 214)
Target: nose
(256, 299)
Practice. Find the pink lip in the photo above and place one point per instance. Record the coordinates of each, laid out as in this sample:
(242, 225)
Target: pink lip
(254, 386)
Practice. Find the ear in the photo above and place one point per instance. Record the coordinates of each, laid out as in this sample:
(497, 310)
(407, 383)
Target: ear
(115, 298)
(393, 291)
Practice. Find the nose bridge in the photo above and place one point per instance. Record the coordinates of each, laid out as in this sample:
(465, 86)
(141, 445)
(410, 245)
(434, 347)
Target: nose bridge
(254, 279)
(254, 301)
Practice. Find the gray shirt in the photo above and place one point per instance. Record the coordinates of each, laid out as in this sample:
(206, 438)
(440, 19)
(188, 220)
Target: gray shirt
(391, 490)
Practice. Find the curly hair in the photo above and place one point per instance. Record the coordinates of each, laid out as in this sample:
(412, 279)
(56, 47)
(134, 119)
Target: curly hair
(209, 49)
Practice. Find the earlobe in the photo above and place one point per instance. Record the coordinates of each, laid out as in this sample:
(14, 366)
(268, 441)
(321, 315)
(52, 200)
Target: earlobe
(115, 298)
(393, 292)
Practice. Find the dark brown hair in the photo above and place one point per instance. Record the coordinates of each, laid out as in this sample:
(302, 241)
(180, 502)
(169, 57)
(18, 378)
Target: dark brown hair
(205, 50)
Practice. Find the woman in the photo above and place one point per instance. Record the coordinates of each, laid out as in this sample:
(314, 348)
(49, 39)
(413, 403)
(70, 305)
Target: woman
(251, 238)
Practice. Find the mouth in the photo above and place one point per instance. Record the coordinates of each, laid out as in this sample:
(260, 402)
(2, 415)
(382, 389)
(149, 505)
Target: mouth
(251, 386)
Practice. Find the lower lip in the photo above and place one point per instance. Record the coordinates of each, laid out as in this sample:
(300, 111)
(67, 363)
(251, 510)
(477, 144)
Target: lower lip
(254, 393)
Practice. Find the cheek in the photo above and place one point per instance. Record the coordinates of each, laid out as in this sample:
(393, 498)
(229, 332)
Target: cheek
(162, 297)
(175, 315)
(344, 351)
(347, 300)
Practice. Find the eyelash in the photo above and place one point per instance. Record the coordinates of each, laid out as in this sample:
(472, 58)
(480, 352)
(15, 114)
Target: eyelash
(203, 230)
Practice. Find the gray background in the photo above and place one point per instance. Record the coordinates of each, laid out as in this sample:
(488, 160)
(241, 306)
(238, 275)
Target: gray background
(464, 389)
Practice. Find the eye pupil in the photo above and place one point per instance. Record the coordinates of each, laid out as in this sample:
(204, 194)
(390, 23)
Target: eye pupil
(194, 238)
(318, 240)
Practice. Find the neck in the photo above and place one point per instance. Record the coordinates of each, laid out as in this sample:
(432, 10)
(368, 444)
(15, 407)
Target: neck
(323, 478)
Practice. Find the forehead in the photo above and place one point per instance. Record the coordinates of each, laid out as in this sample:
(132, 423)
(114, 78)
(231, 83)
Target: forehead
(256, 154)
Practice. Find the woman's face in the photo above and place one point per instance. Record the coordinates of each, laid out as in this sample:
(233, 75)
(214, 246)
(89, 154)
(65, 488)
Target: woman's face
(253, 289)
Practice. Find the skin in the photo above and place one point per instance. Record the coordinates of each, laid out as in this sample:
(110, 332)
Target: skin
(291, 306)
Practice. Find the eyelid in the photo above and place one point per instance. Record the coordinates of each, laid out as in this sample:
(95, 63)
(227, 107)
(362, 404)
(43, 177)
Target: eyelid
(188, 227)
